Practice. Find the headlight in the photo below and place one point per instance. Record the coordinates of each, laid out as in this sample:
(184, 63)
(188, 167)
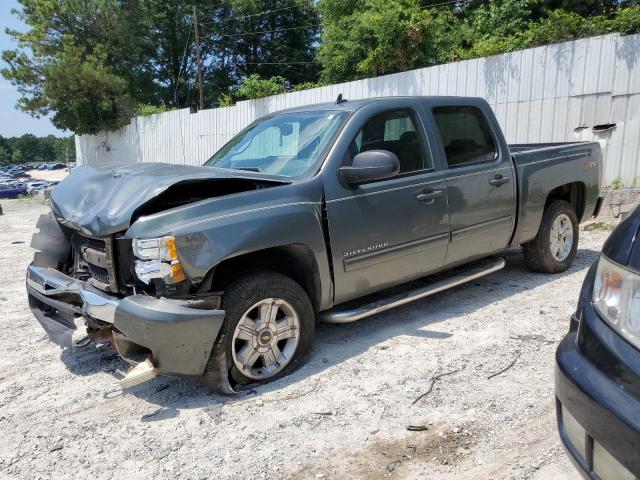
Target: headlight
(616, 296)
(155, 248)
(157, 258)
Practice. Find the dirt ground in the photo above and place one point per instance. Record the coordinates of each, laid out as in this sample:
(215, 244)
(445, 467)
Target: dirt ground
(346, 414)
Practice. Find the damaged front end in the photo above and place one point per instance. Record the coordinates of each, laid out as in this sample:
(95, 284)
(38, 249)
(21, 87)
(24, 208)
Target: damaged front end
(75, 278)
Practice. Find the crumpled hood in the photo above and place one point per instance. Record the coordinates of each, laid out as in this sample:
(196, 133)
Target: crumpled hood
(102, 200)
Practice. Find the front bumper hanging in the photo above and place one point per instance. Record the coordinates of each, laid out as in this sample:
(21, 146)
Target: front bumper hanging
(176, 336)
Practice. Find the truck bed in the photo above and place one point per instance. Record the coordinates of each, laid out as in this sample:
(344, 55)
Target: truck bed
(543, 167)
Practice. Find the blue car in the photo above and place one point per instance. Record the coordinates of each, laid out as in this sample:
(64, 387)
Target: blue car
(597, 379)
(11, 191)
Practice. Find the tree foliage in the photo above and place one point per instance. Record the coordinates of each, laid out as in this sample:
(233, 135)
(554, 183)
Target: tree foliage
(372, 37)
(365, 38)
(254, 86)
(81, 60)
(492, 29)
(29, 148)
(235, 52)
(92, 64)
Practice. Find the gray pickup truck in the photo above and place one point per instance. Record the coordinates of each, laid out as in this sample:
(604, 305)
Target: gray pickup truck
(315, 213)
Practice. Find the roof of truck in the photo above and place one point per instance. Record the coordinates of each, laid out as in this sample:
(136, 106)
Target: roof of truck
(353, 105)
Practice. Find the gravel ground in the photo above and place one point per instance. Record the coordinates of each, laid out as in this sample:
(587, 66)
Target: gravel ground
(346, 414)
(49, 175)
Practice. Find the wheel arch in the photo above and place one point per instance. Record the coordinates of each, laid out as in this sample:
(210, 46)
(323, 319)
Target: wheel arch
(296, 261)
(574, 193)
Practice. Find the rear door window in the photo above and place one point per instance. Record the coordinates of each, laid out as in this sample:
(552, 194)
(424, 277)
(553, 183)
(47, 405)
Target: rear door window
(465, 134)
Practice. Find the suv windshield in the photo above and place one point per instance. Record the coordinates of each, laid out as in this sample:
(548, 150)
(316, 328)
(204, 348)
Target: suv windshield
(288, 144)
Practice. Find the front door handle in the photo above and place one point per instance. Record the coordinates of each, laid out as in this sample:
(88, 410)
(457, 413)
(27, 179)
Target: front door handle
(429, 197)
(498, 180)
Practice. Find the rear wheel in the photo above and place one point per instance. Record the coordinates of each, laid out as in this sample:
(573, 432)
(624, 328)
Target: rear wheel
(269, 327)
(554, 247)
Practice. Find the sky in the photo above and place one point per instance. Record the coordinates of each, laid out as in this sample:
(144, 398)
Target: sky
(14, 123)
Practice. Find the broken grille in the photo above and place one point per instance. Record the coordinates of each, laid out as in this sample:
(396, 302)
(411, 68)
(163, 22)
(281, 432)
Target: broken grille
(96, 256)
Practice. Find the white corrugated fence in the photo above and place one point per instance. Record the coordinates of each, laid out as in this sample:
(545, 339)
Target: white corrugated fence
(548, 94)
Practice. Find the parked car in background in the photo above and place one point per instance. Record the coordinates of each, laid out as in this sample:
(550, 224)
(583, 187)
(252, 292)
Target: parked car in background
(58, 166)
(12, 191)
(34, 187)
(20, 174)
(597, 376)
(221, 271)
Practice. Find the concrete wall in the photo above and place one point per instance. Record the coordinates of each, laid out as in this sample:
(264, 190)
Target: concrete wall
(547, 94)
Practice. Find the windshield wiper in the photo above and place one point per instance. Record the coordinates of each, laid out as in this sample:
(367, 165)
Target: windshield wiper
(248, 169)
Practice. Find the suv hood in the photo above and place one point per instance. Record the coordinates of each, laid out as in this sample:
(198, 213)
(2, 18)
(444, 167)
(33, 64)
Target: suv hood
(104, 200)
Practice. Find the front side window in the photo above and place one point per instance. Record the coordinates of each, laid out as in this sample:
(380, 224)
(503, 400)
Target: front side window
(396, 132)
(288, 144)
(465, 135)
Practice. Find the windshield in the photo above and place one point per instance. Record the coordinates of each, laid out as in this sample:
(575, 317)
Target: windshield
(288, 144)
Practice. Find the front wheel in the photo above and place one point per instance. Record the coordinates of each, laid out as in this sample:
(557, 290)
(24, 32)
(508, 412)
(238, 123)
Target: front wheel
(554, 247)
(269, 327)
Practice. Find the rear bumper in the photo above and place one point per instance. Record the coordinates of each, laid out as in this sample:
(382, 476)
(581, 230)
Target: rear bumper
(178, 335)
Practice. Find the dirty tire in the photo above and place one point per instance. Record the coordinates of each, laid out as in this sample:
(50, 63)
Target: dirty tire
(239, 298)
(538, 252)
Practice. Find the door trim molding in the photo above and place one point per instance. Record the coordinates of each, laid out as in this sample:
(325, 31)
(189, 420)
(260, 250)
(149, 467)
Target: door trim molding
(390, 253)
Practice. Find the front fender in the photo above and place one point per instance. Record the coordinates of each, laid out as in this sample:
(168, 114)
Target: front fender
(207, 234)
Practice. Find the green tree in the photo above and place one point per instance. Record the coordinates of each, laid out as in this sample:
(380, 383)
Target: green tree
(495, 29)
(92, 64)
(84, 61)
(365, 38)
(269, 38)
(5, 151)
(29, 148)
(64, 149)
(256, 87)
(17, 156)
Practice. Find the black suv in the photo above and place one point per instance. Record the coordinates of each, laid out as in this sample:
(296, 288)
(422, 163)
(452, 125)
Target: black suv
(598, 364)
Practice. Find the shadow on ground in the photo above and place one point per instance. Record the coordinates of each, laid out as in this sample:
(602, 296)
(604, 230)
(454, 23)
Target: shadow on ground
(335, 343)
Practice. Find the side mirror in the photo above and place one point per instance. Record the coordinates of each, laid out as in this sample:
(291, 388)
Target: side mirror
(371, 165)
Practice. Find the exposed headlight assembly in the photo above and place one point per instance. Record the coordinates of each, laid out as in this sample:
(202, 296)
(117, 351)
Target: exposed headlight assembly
(616, 296)
(163, 248)
(157, 258)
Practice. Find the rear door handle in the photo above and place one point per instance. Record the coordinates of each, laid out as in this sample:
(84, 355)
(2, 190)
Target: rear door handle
(498, 180)
(429, 197)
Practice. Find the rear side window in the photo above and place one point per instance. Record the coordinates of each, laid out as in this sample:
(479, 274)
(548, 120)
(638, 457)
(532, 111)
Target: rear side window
(465, 134)
(395, 131)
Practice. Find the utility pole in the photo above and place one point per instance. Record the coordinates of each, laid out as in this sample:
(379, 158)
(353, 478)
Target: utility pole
(198, 59)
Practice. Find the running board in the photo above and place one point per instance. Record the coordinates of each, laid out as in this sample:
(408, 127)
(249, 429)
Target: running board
(338, 315)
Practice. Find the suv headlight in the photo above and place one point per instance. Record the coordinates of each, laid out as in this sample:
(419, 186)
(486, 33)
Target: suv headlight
(616, 296)
(157, 258)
